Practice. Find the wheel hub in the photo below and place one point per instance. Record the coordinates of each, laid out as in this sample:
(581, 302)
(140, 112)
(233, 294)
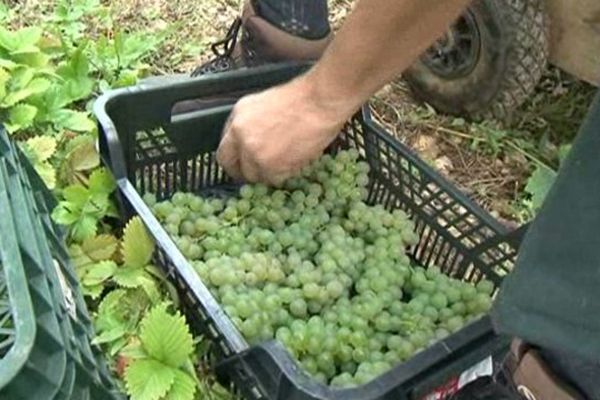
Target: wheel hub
(456, 54)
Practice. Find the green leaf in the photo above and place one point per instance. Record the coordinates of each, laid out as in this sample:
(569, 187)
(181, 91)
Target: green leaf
(183, 388)
(101, 247)
(109, 336)
(8, 64)
(79, 258)
(148, 379)
(77, 84)
(102, 181)
(538, 185)
(93, 292)
(47, 172)
(36, 86)
(130, 277)
(22, 41)
(99, 272)
(21, 116)
(84, 228)
(77, 121)
(63, 214)
(116, 347)
(150, 287)
(137, 246)
(32, 59)
(42, 146)
(84, 157)
(166, 337)
(76, 195)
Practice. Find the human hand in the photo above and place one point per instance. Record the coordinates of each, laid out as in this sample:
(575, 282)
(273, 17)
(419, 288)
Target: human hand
(271, 135)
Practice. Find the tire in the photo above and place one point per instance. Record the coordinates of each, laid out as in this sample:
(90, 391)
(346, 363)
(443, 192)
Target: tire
(493, 72)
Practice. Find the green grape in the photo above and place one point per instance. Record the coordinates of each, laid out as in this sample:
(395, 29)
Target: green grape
(455, 323)
(441, 333)
(468, 292)
(246, 192)
(459, 308)
(432, 313)
(439, 301)
(298, 308)
(486, 287)
(250, 328)
(359, 355)
(383, 322)
(452, 294)
(394, 342)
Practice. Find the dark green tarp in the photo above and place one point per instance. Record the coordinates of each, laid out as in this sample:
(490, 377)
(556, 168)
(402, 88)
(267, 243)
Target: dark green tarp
(552, 298)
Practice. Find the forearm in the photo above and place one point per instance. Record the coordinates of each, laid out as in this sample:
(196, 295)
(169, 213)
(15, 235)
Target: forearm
(380, 39)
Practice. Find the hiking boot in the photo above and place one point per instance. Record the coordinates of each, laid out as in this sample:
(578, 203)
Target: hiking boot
(252, 41)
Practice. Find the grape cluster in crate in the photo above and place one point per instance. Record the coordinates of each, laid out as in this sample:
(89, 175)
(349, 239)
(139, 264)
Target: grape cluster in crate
(314, 266)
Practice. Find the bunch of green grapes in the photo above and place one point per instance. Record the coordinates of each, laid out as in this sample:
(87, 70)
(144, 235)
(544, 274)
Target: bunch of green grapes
(316, 267)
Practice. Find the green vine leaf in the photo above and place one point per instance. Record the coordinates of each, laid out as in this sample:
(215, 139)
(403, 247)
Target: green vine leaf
(148, 379)
(137, 246)
(166, 337)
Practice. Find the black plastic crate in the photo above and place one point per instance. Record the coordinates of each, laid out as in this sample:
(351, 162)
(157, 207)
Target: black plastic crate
(149, 149)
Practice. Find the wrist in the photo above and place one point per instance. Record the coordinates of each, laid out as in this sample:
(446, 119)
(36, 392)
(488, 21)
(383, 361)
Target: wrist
(333, 102)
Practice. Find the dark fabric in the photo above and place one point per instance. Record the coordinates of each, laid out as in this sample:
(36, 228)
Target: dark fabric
(552, 298)
(581, 374)
(308, 19)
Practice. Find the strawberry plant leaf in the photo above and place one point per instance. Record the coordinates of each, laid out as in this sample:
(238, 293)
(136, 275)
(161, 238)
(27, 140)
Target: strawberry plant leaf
(166, 337)
(63, 214)
(78, 257)
(99, 273)
(42, 146)
(137, 246)
(73, 120)
(93, 292)
(129, 277)
(84, 228)
(47, 173)
(101, 181)
(76, 195)
(538, 185)
(101, 247)
(20, 117)
(184, 387)
(148, 379)
(109, 336)
(84, 157)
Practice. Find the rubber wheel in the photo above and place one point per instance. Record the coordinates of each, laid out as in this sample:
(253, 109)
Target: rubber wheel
(488, 63)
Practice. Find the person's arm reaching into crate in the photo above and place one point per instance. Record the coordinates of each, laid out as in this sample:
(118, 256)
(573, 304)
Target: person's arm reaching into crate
(271, 135)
